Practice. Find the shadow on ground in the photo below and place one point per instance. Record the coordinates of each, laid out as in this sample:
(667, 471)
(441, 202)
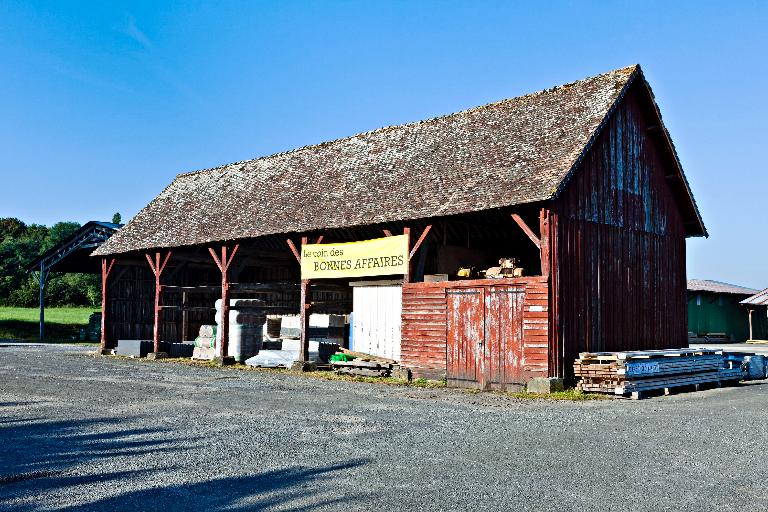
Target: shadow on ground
(30, 330)
(48, 465)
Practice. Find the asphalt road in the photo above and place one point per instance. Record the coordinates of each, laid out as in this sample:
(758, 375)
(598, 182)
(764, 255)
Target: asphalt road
(101, 434)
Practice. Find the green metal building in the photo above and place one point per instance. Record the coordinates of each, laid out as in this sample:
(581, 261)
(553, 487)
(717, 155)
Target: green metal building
(715, 312)
(757, 310)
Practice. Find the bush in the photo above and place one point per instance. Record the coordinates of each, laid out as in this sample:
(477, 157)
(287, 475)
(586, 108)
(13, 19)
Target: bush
(20, 244)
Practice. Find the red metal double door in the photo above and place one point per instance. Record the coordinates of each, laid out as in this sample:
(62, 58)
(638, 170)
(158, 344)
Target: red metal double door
(485, 333)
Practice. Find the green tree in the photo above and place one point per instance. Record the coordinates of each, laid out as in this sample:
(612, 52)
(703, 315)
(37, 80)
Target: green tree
(116, 218)
(20, 244)
(57, 234)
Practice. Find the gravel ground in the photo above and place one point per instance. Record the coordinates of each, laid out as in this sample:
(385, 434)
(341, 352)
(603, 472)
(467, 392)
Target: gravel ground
(82, 433)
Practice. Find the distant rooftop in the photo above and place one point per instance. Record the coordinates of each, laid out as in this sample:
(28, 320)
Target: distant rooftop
(758, 299)
(706, 285)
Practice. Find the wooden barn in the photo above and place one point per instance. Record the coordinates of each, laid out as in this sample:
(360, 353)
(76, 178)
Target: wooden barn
(579, 184)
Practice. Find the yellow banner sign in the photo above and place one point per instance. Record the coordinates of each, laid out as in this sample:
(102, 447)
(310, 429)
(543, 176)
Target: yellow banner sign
(379, 257)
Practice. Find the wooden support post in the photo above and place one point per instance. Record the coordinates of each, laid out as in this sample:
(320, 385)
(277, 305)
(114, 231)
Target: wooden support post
(294, 250)
(407, 276)
(556, 350)
(544, 241)
(419, 242)
(750, 325)
(305, 312)
(305, 301)
(157, 270)
(184, 316)
(520, 222)
(414, 249)
(105, 271)
(223, 263)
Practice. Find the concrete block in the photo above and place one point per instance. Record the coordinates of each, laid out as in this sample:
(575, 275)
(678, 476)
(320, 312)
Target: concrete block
(303, 366)
(543, 385)
(180, 349)
(400, 372)
(138, 348)
(157, 355)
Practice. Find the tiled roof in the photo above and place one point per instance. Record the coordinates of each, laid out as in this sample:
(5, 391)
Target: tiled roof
(511, 152)
(704, 285)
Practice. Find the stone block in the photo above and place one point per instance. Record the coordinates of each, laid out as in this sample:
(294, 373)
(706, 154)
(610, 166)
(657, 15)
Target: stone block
(400, 372)
(543, 385)
(203, 353)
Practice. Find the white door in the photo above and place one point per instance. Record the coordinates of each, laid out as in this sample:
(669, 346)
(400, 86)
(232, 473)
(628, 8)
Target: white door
(378, 312)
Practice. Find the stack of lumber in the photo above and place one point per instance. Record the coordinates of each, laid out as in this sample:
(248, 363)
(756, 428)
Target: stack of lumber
(369, 368)
(634, 373)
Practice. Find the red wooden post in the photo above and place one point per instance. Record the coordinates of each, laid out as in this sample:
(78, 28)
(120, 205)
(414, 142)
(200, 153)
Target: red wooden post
(553, 273)
(305, 301)
(306, 311)
(520, 222)
(419, 242)
(544, 241)
(223, 263)
(407, 276)
(105, 270)
(157, 270)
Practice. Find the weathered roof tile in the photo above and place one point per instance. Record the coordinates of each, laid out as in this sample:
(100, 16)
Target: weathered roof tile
(510, 152)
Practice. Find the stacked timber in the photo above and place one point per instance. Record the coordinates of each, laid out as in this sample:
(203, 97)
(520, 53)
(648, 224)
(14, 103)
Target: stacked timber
(369, 368)
(635, 373)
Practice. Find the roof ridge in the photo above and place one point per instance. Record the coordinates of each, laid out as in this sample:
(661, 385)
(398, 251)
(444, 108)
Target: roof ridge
(627, 69)
(703, 285)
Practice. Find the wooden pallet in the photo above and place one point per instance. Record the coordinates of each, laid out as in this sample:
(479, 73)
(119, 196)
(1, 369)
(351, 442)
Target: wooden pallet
(363, 368)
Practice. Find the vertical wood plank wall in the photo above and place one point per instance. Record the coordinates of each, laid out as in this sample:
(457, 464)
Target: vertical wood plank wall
(620, 248)
(424, 325)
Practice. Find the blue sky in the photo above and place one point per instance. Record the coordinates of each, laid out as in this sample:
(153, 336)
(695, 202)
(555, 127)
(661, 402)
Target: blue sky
(103, 103)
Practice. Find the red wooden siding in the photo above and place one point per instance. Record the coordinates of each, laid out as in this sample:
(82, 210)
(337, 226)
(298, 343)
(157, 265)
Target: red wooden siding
(426, 310)
(423, 330)
(619, 251)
